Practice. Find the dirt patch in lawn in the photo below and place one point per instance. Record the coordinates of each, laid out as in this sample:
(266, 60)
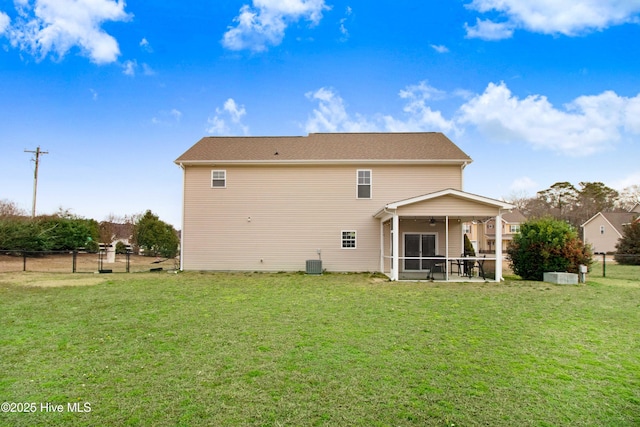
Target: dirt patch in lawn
(84, 263)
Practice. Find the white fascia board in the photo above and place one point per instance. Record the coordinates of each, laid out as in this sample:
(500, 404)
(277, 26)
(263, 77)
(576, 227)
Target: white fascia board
(592, 218)
(455, 193)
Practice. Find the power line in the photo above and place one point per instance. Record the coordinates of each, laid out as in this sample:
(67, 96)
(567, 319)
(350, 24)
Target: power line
(36, 159)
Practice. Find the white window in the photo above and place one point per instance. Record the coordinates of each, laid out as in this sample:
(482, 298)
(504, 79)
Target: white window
(219, 179)
(602, 229)
(466, 228)
(348, 240)
(364, 184)
(514, 228)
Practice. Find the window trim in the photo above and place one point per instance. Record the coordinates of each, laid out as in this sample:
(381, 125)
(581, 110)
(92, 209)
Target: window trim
(370, 184)
(346, 239)
(224, 179)
(514, 228)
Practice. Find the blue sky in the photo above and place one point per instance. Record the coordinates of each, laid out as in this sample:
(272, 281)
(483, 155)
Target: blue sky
(535, 92)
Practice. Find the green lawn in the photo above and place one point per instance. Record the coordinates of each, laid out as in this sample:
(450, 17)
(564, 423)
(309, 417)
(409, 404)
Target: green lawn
(294, 350)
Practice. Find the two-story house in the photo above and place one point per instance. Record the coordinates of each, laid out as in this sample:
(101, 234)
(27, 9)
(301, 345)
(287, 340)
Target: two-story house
(509, 227)
(388, 202)
(603, 230)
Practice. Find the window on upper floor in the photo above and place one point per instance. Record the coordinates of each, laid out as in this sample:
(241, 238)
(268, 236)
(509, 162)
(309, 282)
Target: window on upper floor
(602, 229)
(218, 179)
(364, 184)
(514, 228)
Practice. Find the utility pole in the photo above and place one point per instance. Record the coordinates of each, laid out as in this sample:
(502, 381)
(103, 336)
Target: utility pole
(35, 177)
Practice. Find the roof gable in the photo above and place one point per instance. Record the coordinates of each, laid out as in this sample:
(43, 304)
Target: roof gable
(424, 147)
(448, 192)
(616, 219)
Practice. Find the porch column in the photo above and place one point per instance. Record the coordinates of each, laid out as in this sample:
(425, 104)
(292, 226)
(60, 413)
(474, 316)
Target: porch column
(499, 246)
(381, 246)
(446, 246)
(395, 247)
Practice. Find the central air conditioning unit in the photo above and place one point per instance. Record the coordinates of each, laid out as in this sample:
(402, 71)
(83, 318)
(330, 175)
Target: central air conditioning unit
(314, 266)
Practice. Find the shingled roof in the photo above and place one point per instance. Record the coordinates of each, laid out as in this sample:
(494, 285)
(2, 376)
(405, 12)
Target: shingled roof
(425, 147)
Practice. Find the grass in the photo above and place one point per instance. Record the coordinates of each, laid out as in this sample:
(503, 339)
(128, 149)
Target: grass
(293, 350)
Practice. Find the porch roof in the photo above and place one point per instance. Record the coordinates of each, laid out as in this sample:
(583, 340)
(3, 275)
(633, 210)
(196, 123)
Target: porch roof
(469, 197)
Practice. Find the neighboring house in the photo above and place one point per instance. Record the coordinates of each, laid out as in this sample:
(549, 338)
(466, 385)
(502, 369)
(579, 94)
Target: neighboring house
(510, 226)
(603, 230)
(388, 202)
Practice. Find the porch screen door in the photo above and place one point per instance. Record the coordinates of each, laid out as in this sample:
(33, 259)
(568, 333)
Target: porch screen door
(419, 245)
(412, 249)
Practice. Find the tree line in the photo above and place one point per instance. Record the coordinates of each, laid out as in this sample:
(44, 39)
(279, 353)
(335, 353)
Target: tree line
(575, 205)
(64, 231)
(549, 239)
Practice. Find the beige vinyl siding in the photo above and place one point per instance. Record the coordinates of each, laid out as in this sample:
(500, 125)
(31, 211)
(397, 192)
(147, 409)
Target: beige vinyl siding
(273, 218)
(601, 242)
(448, 205)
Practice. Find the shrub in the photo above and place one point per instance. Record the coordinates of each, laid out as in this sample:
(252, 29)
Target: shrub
(155, 237)
(468, 247)
(628, 247)
(546, 245)
(121, 248)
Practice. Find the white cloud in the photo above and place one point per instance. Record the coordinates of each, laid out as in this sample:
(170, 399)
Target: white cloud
(626, 182)
(420, 115)
(587, 125)
(264, 23)
(568, 17)
(234, 112)
(440, 48)
(331, 114)
(5, 21)
(489, 30)
(55, 26)
(147, 70)
(129, 67)
(343, 28)
(524, 185)
(167, 117)
(144, 44)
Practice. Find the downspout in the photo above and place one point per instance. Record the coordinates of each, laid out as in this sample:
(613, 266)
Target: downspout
(464, 165)
(184, 181)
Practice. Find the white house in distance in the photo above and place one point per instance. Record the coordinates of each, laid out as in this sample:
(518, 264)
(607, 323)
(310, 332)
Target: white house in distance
(387, 202)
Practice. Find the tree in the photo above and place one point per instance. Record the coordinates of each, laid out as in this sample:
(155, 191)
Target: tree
(468, 247)
(155, 237)
(68, 232)
(593, 197)
(628, 197)
(628, 247)
(9, 209)
(546, 244)
(560, 199)
(23, 234)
